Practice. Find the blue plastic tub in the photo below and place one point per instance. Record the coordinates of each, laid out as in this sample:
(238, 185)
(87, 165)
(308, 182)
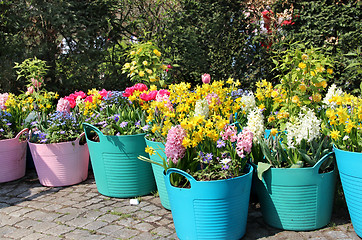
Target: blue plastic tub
(210, 209)
(298, 199)
(350, 171)
(117, 170)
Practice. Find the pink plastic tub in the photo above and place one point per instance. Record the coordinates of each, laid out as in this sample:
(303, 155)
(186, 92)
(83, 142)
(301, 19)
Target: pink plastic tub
(60, 164)
(12, 158)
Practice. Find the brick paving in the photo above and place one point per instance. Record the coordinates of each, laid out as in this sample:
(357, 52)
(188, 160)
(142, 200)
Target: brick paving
(30, 211)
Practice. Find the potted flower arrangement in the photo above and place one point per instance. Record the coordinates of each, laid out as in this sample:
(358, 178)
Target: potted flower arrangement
(12, 143)
(343, 124)
(115, 129)
(206, 172)
(293, 158)
(54, 142)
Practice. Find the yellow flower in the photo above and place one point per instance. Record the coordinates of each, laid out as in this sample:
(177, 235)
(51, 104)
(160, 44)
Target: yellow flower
(230, 81)
(186, 142)
(141, 73)
(145, 63)
(312, 73)
(335, 134)
(271, 119)
(150, 150)
(295, 99)
(302, 65)
(304, 57)
(155, 128)
(303, 87)
(329, 70)
(133, 53)
(158, 53)
(149, 71)
(317, 97)
(274, 94)
(127, 65)
(273, 131)
(261, 106)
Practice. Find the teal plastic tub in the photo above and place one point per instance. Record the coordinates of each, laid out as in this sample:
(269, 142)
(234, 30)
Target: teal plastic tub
(158, 171)
(210, 209)
(117, 170)
(350, 171)
(298, 199)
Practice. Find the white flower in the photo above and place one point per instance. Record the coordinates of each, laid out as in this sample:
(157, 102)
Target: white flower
(225, 161)
(202, 108)
(332, 91)
(345, 138)
(248, 102)
(256, 123)
(305, 127)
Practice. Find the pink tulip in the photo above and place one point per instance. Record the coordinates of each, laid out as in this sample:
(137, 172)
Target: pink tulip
(205, 78)
(30, 90)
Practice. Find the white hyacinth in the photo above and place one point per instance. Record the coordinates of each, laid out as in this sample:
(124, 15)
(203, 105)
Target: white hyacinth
(256, 123)
(202, 108)
(248, 102)
(332, 91)
(305, 127)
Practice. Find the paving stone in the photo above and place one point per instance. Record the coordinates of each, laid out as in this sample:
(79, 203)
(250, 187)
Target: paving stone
(94, 225)
(79, 221)
(144, 236)
(162, 231)
(108, 218)
(44, 227)
(8, 220)
(18, 233)
(33, 236)
(80, 234)
(27, 223)
(145, 227)
(42, 216)
(20, 212)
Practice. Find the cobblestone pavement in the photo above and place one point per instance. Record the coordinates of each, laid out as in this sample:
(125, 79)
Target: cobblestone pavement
(30, 211)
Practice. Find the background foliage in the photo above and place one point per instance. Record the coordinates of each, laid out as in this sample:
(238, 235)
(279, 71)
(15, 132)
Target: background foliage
(85, 42)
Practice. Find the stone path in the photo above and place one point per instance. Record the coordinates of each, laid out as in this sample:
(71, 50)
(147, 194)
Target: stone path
(30, 211)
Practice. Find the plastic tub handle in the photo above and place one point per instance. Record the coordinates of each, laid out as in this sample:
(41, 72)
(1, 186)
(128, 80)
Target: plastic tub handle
(321, 161)
(21, 132)
(88, 127)
(183, 173)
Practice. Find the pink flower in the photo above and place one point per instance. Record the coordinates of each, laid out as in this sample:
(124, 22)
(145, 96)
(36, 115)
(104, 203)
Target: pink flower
(30, 90)
(104, 93)
(244, 142)
(71, 100)
(140, 87)
(148, 97)
(88, 99)
(164, 97)
(210, 96)
(36, 83)
(206, 78)
(63, 105)
(3, 98)
(80, 94)
(174, 149)
(229, 133)
(128, 92)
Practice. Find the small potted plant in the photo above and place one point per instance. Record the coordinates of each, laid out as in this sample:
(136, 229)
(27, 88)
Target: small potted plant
(206, 172)
(343, 124)
(115, 129)
(58, 147)
(12, 139)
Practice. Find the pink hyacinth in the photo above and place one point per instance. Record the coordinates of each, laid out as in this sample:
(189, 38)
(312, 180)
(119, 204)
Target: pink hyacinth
(174, 149)
(206, 78)
(164, 97)
(36, 82)
(63, 105)
(244, 142)
(229, 133)
(210, 96)
(3, 98)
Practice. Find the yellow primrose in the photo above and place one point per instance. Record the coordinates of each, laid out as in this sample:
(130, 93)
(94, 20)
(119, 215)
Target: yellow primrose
(302, 65)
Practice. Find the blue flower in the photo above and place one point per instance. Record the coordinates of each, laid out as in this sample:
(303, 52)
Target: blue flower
(138, 123)
(116, 117)
(123, 124)
(220, 143)
(145, 127)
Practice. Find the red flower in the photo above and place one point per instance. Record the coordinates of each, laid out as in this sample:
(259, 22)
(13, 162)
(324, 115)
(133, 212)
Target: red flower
(104, 93)
(148, 97)
(71, 101)
(89, 99)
